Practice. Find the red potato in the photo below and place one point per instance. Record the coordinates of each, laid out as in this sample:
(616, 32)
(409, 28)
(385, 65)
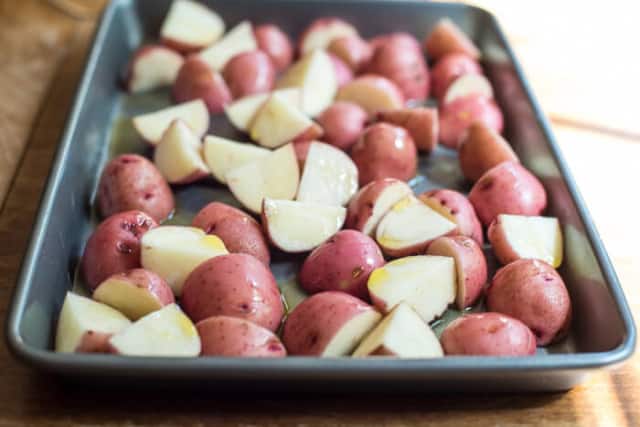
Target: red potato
(275, 43)
(135, 293)
(236, 285)
(301, 149)
(114, 246)
(249, 73)
(487, 334)
(533, 292)
(384, 151)
(343, 73)
(226, 336)
(456, 117)
(343, 263)
(471, 266)
(408, 41)
(449, 68)
(395, 59)
(373, 93)
(321, 32)
(196, 80)
(212, 213)
(373, 201)
(421, 123)
(446, 38)
(352, 50)
(94, 342)
(343, 123)
(328, 324)
(456, 208)
(131, 182)
(152, 66)
(508, 188)
(482, 148)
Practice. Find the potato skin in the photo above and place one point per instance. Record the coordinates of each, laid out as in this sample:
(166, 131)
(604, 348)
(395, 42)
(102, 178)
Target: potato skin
(507, 188)
(146, 279)
(275, 43)
(242, 234)
(197, 81)
(236, 285)
(343, 73)
(226, 336)
(249, 73)
(352, 50)
(533, 292)
(421, 123)
(373, 93)
(213, 212)
(384, 151)
(446, 38)
(398, 58)
(114, 246)
(343, 123)
(342, 263)
(94, 342)
(450, 67)
(314, 322)
(488, 334)
(459, 208)
(456, 116)
(301, 149)
(480, 149)
(471, 266)
(131, 182)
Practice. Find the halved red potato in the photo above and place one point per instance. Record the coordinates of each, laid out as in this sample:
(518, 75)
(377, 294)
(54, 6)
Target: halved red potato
(507, 188)
(516, 237)
(471, 266)
(468, 84)
(236, 285)
(342, 122)
(222, 155)
(151, 126)
(85, 325)
(178, 155)
(449, 68)
(456, 208)
(487, 334)
(242, 111)
(135, 293)
(196, 80)
(426, 283)
(456, 117)
(302, 150)
(421, 123)
(342, 263)
(446, 38)
(482, 148)
(373, 201)
(384, 151)
(354, 51)
(151, 67)
(410, 226)
(190, 26)
(343, 73)
(321, 32)
(227, 336)
(275, 43)
(373, 93)
(237, 40)
(249, 73)
(328, 324)
(402, 333)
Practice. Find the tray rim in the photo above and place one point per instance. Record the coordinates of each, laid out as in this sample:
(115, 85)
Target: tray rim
(48, 360)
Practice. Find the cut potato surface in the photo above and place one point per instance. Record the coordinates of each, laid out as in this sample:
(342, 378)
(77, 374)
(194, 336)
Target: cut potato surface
(238, 40)
(468, 84)
(275, 176)
(223, 155)
(242, 111)
(190, 26)
(166, 332)
(80, 316)
(151, 126)
(299, 226)
(426, 283)
(330, 177)
(177, 155)
(351, 333)
(277, 122)
(402, 333)
(152, 67)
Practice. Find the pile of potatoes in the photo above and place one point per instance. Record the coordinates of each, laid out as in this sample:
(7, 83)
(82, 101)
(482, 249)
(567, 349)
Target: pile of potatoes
(337, 123)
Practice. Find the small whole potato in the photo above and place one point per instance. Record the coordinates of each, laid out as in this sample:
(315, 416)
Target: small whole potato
(114, 246)
(456, 116)
(421, 123)
(213, 212)
(457, 208)
(533, 292)
(196, 80)
(342, 263)
(343, 123)
(353, 51)
(482, 148)
(226, 336)
(384, 151)
(395, 59)
(275, 43)
(408, 41)
(507, 188)
(450, 67)
(131, 182)
(249, 73)
(487, 334)
(236, 285)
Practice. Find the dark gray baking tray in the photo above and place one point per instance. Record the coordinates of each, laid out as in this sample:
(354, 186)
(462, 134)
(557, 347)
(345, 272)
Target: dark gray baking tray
(602, 334)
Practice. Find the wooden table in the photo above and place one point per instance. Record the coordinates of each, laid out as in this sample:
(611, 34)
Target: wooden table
(589, 102)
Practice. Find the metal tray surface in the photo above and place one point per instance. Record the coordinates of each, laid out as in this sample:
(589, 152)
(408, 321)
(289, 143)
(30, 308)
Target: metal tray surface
(602, 333)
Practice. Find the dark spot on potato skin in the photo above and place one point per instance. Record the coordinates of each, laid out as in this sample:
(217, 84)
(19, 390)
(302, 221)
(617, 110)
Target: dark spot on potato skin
(124, 248)
(486, 185)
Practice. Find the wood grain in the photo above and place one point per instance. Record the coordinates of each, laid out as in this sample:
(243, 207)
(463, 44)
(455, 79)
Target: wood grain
(603, 164)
